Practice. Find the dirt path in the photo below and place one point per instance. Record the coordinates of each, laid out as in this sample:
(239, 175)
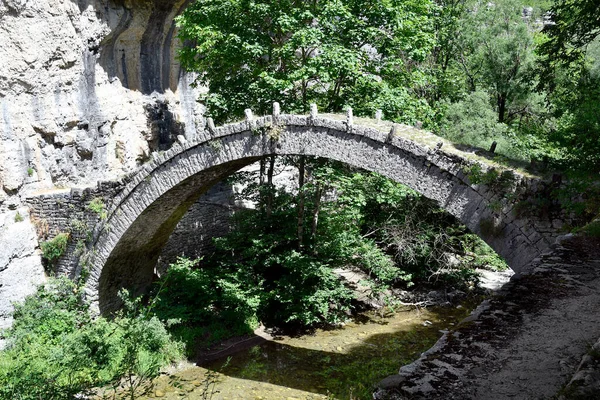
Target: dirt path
(524, 343)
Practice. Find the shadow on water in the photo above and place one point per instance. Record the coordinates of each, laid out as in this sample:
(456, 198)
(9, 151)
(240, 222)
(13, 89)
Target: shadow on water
(343, 363)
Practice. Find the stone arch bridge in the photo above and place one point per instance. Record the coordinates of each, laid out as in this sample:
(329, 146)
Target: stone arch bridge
(140, 218)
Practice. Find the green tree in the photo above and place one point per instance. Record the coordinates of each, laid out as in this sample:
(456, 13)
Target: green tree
(495, 53)
(570, 75)
(449, 84)
(573, 25)
(575, 102)
(334, 53)
(56, 350)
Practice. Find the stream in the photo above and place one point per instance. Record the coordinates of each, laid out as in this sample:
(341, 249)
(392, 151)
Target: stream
(342, 363)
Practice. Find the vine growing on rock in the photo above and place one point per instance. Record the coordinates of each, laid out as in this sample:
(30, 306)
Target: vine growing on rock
(54, 248)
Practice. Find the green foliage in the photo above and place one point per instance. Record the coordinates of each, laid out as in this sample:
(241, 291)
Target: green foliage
(333, 53)
(54, 248)
(203, 305)
(216, 145)
(97, 206)
(29, 171)
(18, 217)
(473, 121)
(480, 255)
(569, 71)
(474, 71)
(145, 345)
(576, 23)
(592, 229)
(294, 289)
(577, 130)
(55, 350)
(494, 47)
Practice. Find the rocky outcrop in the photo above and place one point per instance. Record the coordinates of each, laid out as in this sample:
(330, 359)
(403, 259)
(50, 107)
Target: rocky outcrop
(20, 266)
(88, 90)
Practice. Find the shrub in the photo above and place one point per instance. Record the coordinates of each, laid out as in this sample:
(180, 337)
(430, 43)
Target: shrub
(474, 122)
(592, 229)
(202, 305)
(18, 217)
(97, 206)
(55, 350)
(54, 248)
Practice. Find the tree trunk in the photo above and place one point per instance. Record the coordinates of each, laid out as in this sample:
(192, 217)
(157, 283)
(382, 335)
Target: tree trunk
(501, 107)
(301, 174)
(261, 178)
(261, 185)
(270, 185)
(315, 213)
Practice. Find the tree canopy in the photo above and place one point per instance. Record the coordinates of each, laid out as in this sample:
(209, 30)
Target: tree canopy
(573, 25)
(334, 53)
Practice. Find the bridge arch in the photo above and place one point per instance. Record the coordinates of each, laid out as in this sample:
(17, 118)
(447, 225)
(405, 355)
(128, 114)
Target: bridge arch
(143, 215)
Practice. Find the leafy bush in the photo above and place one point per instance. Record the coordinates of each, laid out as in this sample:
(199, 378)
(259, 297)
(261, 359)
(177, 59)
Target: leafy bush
(202, 305)
(54, 248)
(55, 350)
(97, 206)
(292, 289)
(305, 294)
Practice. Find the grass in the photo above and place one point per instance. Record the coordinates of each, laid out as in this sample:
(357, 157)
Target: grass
(592, 229)
(430, 140)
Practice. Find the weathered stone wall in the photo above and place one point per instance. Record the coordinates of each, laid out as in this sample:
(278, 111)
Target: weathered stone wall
(69, 211)
(206, 219)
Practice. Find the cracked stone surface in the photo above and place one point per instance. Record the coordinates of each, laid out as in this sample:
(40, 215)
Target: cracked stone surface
(88, 90)
(526, 342)
(20, 264)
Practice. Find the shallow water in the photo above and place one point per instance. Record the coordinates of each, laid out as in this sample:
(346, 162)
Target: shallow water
(342, 363)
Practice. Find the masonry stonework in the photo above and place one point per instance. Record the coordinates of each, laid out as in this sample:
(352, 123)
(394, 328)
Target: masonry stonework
(142, 216)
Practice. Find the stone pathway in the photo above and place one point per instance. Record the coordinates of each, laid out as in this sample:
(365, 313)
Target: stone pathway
(526, 342)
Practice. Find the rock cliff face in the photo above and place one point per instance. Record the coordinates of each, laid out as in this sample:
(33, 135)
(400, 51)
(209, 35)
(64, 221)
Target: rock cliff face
(88, 89)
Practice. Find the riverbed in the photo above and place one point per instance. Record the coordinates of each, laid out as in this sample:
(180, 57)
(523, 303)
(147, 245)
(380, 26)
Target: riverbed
(340, 363)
